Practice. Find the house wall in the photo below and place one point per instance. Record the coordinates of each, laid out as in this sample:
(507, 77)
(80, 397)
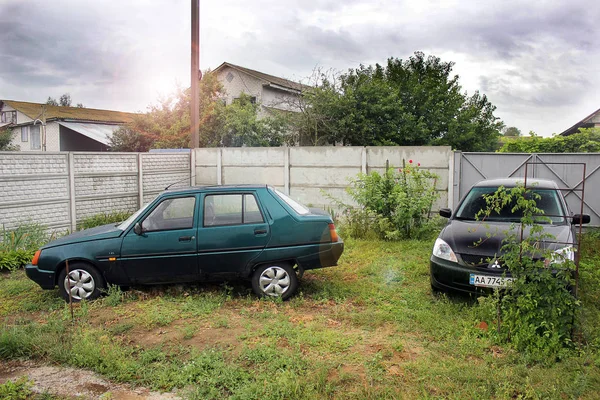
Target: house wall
(52, 137)
(58, 189)
(279, 99)
(241, 83)
(16, 132)
(312, 174)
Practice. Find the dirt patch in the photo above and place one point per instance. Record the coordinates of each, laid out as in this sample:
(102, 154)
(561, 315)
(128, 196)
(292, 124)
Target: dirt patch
(74, 383)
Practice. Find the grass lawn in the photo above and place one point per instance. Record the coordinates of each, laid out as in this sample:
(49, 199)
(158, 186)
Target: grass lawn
(369, 328)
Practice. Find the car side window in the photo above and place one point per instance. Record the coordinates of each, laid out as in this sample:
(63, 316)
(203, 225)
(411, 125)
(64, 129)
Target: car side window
(175, 213)
(252, 214)
(231, 209)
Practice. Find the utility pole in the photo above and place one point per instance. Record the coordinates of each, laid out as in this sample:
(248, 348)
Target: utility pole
(195, 76)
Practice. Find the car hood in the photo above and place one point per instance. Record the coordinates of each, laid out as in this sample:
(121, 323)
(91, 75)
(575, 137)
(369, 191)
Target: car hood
(486, 238)
(99, 232)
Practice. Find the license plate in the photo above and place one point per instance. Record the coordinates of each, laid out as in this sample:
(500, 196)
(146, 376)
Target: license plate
(489, 281)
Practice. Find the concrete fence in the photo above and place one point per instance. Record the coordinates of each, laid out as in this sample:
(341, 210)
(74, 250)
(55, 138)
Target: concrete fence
(310, 174)
(59, 189)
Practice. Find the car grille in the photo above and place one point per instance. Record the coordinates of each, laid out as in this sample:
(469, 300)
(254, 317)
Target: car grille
(483, 263)
(474, 259)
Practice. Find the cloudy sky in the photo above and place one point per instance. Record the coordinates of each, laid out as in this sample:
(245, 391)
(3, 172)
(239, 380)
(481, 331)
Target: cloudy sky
(537, 61)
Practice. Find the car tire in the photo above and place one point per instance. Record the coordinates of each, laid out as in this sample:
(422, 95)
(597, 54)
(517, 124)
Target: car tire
(275, 280)
(85, 282)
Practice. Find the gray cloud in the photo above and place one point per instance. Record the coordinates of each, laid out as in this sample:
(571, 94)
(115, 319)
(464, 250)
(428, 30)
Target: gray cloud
(528, 57)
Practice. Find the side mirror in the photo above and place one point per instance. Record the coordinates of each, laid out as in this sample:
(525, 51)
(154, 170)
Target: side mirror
(137, 228)
(445, 212)
(581, 219)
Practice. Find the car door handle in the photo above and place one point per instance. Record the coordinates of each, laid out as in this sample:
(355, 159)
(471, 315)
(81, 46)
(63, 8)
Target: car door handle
(186, 238)
(260, 231)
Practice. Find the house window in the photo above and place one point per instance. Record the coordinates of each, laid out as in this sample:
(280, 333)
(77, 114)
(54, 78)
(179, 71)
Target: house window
(251, 98)
(24, 134)
(36, 143)
(9, 117)
(229, 77)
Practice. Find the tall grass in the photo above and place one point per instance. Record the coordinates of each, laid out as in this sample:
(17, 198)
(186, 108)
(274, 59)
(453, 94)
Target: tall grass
(103, 219)
(17, 246)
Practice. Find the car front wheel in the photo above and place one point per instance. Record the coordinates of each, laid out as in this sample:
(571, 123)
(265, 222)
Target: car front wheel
(84, 282)
(275, 280)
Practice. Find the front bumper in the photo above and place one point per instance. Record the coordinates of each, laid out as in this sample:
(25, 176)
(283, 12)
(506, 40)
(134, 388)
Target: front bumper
(45, 279)
(447, 275)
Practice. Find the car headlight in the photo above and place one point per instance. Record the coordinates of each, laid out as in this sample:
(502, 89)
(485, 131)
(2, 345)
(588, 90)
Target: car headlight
(561, 255)
(441, 249)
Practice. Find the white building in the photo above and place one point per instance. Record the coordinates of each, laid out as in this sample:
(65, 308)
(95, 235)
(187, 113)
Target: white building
(65, 128)
(271, 92)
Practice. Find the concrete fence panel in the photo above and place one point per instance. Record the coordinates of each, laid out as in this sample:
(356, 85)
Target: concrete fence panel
(60, 189)
(313, 175)
(34, 188)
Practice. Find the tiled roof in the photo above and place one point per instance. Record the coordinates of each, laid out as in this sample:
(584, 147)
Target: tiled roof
(33, 111)
(286, 83)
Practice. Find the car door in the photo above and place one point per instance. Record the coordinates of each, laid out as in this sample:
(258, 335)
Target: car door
(164, 249)
(233, 232)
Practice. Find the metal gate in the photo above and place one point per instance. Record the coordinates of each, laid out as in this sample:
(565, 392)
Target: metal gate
(470, 168)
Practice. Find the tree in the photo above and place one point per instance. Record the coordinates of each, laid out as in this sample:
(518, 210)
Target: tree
(406, 102)
(63, 101)
(167, 123)
(243, 127)
(127, 139)
(512, 131)
(5, 140)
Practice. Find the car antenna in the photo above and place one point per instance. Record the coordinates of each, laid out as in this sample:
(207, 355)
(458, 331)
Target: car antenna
(175, 183)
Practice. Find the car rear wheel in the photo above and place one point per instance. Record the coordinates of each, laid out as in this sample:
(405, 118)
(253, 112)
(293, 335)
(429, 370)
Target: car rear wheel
(84, 282)
(275, 280)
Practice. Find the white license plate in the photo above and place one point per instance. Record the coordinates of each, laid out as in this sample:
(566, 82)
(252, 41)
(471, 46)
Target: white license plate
(489, 281)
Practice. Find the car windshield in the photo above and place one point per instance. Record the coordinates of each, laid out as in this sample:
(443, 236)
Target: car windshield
(125, 224)
(299, 208)
(548, 201)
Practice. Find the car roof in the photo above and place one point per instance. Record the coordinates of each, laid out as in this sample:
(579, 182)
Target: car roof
(512, 182)
(214, 188)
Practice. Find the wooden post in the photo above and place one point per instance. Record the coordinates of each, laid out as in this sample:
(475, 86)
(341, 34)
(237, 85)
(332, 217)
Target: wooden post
(68, 288)
(194, 75)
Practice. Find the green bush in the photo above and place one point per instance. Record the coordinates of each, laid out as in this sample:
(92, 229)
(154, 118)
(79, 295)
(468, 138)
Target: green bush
(395, 205)
(17, 390)
(537, 313)
(18, 246)
(103, 219)
(587, 140)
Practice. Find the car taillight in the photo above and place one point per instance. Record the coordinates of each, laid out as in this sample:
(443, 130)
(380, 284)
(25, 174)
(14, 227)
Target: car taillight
(333, 233)
(36, 257)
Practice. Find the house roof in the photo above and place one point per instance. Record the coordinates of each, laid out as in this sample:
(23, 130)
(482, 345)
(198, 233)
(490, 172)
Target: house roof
(584, 123)
(274, 80)
(33, 111)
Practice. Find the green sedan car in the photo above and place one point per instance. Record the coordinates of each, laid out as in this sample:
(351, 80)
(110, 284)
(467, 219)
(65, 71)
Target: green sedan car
(192, 235)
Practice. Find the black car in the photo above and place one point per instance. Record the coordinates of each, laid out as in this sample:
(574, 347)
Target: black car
(467, 254)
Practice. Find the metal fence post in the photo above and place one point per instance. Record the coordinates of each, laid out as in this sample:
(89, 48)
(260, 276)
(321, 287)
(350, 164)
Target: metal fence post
(286, 170)
(140, 180)
(219, 166)
(72, 207)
